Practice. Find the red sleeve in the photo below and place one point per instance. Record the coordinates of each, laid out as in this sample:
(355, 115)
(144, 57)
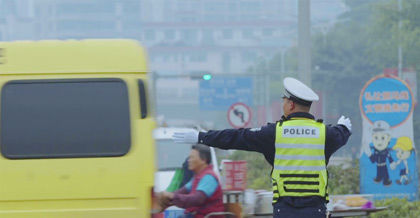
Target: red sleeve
(189, 200)
(182, 190)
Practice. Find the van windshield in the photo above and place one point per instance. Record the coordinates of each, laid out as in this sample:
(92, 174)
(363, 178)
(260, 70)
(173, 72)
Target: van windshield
(170, 155)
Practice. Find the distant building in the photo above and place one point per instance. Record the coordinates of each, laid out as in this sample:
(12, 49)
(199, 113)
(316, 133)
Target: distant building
(216, 47)
(182, 37)
(218, 36)
(16, 20)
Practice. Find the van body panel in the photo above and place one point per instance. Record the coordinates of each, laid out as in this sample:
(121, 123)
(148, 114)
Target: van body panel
(118, 186)
(72, 56)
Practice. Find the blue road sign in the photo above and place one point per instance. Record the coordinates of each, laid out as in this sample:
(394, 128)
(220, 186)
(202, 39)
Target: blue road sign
(218, 94)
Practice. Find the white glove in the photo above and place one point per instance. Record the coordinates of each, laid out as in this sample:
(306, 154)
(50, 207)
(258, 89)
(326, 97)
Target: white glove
(345, 121)
(393, 165)
(367, 151)
(190, 137)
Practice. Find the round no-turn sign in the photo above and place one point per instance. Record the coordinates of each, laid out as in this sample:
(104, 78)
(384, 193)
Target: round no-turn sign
(239, 115)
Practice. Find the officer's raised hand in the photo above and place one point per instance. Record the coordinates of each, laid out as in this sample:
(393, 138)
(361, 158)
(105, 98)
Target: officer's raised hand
(190, 137)
(345, 121)
(366, 150)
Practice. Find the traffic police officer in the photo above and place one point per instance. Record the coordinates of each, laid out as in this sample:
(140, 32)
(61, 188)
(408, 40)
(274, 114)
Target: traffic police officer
(297, 146)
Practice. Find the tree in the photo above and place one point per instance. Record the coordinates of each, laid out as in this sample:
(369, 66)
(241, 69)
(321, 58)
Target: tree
(343, 66)
(385, 36)
(340, 65)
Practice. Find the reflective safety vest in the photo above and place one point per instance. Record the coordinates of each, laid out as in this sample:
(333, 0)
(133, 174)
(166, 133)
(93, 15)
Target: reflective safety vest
(299, 165)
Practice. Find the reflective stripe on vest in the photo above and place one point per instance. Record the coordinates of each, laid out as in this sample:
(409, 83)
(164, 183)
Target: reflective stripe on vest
(299, 164)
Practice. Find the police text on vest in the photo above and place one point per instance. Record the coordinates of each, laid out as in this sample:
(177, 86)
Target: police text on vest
(300, 132)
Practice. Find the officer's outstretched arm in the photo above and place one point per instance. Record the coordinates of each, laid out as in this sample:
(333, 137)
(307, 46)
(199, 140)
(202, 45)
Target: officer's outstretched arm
(257, 139)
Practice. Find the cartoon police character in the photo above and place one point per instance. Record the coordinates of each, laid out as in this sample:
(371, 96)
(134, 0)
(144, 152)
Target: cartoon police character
(403, 149)
(381, 137)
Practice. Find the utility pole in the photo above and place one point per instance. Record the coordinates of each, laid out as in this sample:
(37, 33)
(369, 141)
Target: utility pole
(399, 40)
(305, 42)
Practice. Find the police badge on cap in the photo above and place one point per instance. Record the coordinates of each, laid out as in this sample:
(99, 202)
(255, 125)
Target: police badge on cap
(381, 126)
(299, 92)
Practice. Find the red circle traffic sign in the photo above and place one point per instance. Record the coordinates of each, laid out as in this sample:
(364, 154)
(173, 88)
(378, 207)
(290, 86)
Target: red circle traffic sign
(239, 115)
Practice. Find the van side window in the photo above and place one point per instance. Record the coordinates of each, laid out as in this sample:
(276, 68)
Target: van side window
(59, 118)
(143, 100)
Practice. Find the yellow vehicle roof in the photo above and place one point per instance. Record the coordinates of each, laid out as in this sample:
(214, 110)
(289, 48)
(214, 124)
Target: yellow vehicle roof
(72, 56)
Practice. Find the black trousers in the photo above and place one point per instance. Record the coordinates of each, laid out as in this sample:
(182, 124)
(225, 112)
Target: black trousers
(284, 210)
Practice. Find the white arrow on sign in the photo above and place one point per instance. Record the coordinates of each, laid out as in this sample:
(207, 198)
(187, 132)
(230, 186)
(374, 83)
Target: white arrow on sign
(239, 115)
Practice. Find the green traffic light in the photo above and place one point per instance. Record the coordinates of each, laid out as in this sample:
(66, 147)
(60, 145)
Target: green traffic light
(207, 77)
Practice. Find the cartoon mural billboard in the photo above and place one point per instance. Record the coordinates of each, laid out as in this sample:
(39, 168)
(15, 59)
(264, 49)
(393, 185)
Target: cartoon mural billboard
(388, 164)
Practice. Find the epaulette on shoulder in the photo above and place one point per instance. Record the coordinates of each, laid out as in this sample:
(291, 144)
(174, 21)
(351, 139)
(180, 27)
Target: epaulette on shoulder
(282, 119)
(320, 120)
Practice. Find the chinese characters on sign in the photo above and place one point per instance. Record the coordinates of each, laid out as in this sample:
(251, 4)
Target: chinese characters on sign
(235, 175)
(381, 106)
(218, 94)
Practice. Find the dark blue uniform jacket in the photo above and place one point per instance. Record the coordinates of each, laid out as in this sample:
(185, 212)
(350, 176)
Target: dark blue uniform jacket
(263, 141)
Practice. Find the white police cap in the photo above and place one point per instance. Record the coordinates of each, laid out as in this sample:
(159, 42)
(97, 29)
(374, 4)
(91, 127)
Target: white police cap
(381, 126)
(299, 92)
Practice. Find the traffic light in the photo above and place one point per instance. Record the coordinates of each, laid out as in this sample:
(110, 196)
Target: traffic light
(200, 75)
(207, 76)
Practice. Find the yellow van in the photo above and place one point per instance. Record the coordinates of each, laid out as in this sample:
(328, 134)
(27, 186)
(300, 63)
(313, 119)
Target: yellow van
(75, 130)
